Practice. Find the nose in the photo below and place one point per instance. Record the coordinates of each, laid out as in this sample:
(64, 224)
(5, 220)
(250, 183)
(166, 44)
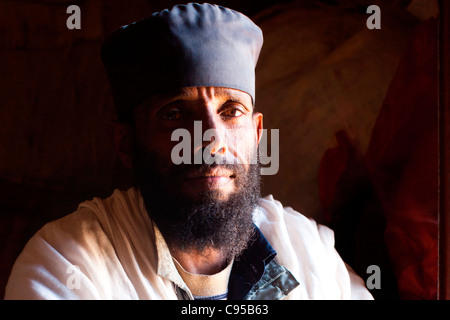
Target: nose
(209, 140)
(214, 142)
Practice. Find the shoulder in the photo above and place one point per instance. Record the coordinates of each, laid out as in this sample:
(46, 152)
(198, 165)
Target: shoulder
(302, 244)
(81, 226)
(272, 213)
(72, 247)
(307, 249)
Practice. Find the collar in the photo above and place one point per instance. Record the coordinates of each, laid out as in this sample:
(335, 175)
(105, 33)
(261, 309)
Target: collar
(255, 273)
(249, 266)
(166, 267)
(205, 287)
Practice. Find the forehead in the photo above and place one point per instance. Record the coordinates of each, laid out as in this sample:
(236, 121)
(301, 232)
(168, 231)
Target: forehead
(200, 93)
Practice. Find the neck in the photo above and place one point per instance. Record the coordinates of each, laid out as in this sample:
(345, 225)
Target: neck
(208, 262)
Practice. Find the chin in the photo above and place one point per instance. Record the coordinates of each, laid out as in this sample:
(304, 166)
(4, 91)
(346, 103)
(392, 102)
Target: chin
(198, 193)
(202, 196)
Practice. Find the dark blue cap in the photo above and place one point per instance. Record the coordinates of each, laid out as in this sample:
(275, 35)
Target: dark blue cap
(191, 45)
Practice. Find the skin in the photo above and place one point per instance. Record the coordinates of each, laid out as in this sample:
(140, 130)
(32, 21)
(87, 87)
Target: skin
(227, 111)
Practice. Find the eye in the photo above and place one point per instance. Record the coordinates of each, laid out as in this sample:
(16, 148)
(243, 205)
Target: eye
(232, 113)
(171, 114)
(232, 110)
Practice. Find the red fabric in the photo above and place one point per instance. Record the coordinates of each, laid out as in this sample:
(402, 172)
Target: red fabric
(402, 160)
(402, 167)
(333, 166)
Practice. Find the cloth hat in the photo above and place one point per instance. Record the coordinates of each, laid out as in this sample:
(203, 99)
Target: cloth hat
(187, 46)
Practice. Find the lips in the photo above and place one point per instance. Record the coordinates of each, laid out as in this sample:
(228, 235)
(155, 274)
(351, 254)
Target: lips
(211, 173)
(210, 179)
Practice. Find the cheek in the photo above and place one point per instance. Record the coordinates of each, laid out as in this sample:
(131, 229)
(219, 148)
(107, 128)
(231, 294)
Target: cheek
(243, 145)
(156, 141)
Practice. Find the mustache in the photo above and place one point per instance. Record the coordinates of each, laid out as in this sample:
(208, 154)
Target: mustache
(202, 170)
(148, 167)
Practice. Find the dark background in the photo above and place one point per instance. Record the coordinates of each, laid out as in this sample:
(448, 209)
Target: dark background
(356, 109)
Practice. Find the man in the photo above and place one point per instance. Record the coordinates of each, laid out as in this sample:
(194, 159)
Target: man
(194, 227)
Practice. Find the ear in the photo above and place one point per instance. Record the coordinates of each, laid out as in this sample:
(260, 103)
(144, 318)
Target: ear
(121, 136)
(258, 122)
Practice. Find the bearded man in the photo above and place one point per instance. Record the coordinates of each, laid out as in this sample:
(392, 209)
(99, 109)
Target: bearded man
(188, 229)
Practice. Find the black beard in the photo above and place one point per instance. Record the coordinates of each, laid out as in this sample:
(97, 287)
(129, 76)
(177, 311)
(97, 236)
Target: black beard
(203, 223)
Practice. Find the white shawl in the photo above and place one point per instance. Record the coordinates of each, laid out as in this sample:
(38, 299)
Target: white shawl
(109, 249)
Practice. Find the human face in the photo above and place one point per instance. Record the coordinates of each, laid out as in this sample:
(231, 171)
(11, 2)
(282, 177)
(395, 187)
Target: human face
(228, 112)
(199, 206)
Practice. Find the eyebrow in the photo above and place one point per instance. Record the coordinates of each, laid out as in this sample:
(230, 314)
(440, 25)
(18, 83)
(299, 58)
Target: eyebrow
(235, 94)
(179, 93)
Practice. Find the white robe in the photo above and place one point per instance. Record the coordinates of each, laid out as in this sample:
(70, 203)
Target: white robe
(110, 249)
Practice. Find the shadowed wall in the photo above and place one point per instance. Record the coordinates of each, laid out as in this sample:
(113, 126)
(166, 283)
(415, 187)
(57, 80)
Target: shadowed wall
(322, 80)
